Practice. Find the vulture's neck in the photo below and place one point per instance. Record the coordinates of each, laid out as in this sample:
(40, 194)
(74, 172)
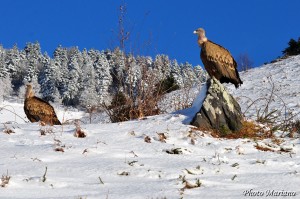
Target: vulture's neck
(29, 93)
(201, 40)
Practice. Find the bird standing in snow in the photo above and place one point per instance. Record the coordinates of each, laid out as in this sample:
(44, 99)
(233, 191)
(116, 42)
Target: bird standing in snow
(37, 109)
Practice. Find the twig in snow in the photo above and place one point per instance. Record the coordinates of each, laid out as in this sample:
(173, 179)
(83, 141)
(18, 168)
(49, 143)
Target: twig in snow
(101, 182)
(44, 176)
(85, 151)
(134, 154)
(36, 159)
(234, 177)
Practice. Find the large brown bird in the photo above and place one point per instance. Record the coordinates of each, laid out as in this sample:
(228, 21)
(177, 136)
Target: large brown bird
(37, 109)
(217, 60)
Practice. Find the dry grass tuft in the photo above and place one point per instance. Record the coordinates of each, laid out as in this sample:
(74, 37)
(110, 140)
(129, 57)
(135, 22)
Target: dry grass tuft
(79, 133)
(4, 180)
(250, 130)
(162, 137)
(263, 148)
(8, 130)
(147, 139)
(44, 130)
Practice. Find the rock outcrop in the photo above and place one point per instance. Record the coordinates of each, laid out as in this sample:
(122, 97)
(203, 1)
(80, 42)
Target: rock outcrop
(219, 110)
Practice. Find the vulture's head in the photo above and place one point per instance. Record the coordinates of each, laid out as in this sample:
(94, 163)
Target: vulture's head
(29, 92)
(201, 35)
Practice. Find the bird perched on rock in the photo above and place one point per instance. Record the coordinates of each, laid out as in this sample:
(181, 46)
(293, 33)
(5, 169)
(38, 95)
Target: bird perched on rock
(217, 60)
(37, 109)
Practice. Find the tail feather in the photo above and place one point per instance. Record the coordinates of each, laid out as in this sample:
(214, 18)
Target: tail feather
(55, 121)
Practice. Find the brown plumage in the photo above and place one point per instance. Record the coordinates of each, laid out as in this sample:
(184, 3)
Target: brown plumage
(37, 109)
(217, 60)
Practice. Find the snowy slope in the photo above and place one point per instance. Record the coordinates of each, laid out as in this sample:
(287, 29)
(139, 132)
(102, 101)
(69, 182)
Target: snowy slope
(284, 75)
(134, 159)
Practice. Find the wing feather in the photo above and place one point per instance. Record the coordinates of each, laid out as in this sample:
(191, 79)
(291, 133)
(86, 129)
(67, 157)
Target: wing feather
(219, 63)
(37, 109)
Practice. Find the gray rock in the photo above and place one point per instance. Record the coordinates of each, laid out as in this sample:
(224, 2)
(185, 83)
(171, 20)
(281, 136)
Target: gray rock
(219, 111)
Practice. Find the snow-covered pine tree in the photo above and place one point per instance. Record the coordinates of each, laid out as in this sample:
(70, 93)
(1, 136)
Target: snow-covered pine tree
(88, 96)
(145, 62)
(60, 58)
(117, 62)
(188, 75)
(33, 65)
(146, 69)
(12, 60)
(162, 65)
(176, 73)
(103, 78)
(34, 61)
(48, 80)
(200, 74)
(15, 62)
(5, 81)
(71, 92)
(3, 68)
(132, 77)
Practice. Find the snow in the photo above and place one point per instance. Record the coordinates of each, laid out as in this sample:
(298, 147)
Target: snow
(196, 105)
(115, 161)
(284, 75)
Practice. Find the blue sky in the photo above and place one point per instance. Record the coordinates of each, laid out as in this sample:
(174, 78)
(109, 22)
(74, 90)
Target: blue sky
(260, 28)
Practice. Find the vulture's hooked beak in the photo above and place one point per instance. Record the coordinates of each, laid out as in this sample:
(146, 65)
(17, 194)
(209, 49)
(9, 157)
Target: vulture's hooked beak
(195, 32)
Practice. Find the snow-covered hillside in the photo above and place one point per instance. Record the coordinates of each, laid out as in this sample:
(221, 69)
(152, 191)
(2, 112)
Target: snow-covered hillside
(157, 157)
(283, 77)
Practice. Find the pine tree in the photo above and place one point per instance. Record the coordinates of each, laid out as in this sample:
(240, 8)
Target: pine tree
(176, 73)
(72, 89)
(162, 65)
(293, 49)
(132, 76)
(88, 96)
(146, 73)
(117, 62)
(200, 74)
(16, 63)
(49, 80)
(60, 59)
(34, 64)
(13, 60)
(5, 80)
(103, 78)
(3, 69)
(188, 74)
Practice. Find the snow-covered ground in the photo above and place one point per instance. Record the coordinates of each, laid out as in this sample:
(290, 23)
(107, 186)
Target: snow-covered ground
(158, 157)
(283, 77)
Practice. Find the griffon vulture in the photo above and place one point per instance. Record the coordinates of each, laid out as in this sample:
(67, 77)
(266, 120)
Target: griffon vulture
(37, 109)
(217, 60)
